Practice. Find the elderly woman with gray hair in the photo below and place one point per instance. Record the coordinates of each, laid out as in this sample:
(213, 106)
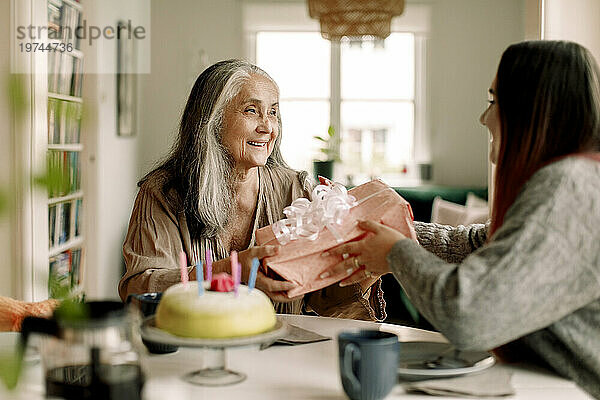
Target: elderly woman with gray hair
(225, 178)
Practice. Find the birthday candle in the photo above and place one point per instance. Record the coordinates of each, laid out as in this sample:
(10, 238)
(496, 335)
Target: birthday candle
(233, 257)
(236, 282)
(183, 268)
(253, 272)
(234, 262)
(208, 266)
(200, 278)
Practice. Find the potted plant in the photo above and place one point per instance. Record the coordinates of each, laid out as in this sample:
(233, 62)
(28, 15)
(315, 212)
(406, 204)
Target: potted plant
(324, 167)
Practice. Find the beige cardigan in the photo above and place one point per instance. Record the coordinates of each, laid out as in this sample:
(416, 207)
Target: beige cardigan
(158, 231)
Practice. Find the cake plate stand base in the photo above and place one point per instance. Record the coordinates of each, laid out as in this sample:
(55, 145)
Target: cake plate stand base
(214, 372)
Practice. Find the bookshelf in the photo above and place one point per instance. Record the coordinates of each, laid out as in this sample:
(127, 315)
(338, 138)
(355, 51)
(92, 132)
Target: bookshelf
(66, 244)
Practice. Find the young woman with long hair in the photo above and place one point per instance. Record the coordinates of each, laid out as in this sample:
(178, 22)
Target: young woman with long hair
(530, 280)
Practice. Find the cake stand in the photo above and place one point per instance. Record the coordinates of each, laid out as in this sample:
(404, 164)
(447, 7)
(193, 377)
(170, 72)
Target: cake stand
(215, 372)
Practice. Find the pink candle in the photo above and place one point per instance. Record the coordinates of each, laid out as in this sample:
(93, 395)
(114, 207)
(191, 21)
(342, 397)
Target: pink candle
(183, 267)
(208, 266)
(238, 277)
(234, 270)
(233, 257)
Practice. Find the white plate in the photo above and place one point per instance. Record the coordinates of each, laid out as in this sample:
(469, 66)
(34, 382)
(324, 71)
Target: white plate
(150, 332)
(426, 360)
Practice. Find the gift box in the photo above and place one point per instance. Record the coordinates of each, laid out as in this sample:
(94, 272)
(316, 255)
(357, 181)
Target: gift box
(301, 261)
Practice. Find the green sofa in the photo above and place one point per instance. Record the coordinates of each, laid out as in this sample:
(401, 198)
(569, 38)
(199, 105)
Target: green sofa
(421, 198)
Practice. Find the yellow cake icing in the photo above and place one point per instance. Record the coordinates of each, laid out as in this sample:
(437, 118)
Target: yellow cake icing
(214, 315)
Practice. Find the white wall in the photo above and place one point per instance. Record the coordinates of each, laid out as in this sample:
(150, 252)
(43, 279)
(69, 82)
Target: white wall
(575, 20)
(6, 159)
(187, 36)
(467, 40)
(111, 161)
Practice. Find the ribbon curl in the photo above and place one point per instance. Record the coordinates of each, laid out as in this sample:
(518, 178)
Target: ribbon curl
(305, 218)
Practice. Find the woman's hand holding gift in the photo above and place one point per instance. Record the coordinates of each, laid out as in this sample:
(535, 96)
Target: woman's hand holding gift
(275, 289)
(366, 257)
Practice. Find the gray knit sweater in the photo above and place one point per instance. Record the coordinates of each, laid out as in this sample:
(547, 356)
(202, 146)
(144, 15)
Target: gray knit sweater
(538, 280)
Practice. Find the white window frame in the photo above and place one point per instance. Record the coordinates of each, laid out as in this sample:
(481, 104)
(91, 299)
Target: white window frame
(269, 16)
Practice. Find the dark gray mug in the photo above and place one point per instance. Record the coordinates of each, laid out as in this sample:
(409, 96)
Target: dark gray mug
(368, 363)
(147, 303)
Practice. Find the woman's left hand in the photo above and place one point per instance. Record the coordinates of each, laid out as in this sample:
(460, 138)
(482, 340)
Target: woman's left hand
(368, 257)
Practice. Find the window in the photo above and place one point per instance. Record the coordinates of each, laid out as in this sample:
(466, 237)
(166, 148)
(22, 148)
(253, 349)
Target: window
(300, 63)
(368, 89)
(377, 99)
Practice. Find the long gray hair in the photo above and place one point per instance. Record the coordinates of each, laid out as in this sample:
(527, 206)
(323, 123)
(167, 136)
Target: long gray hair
(198, 167)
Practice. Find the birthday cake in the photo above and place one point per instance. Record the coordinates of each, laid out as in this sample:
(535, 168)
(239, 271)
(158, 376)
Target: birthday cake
(218, 313)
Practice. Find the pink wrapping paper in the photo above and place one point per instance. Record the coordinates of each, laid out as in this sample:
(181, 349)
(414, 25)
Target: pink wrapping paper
(300, 260)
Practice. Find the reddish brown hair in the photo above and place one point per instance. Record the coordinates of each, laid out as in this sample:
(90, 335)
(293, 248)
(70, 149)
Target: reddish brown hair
(548, 96)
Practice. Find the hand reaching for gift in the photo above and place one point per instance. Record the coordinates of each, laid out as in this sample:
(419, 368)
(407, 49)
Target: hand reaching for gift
(367, 257)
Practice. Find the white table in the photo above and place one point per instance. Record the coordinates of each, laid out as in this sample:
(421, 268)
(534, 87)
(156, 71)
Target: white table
(308, 371)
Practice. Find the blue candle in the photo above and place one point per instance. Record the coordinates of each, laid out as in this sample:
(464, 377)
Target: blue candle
(200, 277)
(253, 272)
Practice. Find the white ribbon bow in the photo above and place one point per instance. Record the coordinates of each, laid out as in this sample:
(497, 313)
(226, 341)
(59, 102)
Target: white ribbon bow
(305, 218)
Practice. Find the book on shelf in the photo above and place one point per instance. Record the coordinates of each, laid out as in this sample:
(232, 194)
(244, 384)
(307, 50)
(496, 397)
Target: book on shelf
(52, 225)
(59, 274)
(53, 122)
(76, 82)
(78, 213)
(75, 267)
(64, 272)
(53, 167)
(55, 225)
(74, 173)
(64, 222)
(63, 20)
(73, 122)
(53, 59)
(65, 73)
(65, 76)
(65, 168)
(54, 17)
(65, 69)
(64, 121)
